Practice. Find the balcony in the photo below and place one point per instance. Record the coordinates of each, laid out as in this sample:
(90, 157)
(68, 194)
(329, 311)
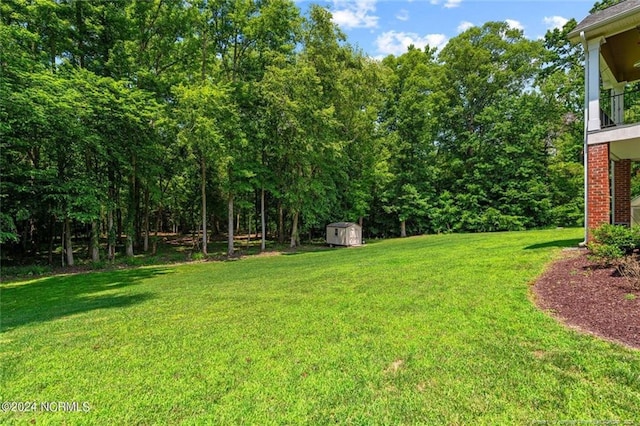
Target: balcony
(620, 109)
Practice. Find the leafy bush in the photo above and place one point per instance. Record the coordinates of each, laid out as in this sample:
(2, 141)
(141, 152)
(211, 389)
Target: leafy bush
(28, 270)
(197, 256)
(612, 243)
(607, 254)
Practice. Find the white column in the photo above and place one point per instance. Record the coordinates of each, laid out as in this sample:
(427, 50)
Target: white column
(593, 72)
(617, 103)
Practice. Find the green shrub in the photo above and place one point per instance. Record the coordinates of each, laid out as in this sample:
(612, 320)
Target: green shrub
(28, 270)
(133, 261)
(625, 238)
(606, 254)
(197, 256)
(612, 243)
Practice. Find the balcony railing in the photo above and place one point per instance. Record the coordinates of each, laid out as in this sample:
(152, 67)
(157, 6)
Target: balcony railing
(618, 110)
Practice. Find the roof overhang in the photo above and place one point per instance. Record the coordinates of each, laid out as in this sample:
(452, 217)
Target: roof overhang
(608, 22)
(618, 30)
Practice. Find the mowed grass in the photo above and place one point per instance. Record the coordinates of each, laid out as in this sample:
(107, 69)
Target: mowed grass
(424, 330)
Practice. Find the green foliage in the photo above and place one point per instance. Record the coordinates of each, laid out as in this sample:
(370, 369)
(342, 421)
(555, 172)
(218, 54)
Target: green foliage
(603, 4)
(8, 230)
(612, 244)
(198, 256)
(626, 239)
(606, 253)
(25, 271)
(131, 115)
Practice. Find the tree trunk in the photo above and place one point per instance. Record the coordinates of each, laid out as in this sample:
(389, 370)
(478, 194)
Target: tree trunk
(120, 227)
(403, 228)
(67, 241)
(360, 221)
(145, 245)
(154, 244)
(130, 225)
(111, 236)
(248, 231)
(203, 190)
(130, 232)
(52, 235)
(130, 241)
(280, 223)
(263, 223)
(95, 241)
(294, 231)
(230, 224)
(63, 244)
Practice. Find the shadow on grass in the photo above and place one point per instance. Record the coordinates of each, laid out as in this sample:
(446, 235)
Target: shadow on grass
(572, 243)
(51, 298)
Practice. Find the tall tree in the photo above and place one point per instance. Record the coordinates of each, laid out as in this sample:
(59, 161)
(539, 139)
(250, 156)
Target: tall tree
(411, 127)
(486, 72)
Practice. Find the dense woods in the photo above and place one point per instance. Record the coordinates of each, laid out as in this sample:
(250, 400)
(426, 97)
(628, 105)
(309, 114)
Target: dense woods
(123, 119)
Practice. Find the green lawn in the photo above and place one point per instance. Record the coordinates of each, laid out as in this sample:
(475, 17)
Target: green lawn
(434, 329)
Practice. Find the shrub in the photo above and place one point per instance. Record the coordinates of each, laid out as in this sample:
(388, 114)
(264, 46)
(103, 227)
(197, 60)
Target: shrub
(614, 245)
(28, 270)
(197, 256)
(624, 238)
(607, 254)
(611, 243)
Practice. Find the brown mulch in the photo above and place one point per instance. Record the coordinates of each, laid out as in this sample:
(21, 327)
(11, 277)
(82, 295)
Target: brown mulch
(590, 298)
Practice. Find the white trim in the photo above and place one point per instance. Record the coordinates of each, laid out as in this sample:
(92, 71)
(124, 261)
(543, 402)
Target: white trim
(593, 92)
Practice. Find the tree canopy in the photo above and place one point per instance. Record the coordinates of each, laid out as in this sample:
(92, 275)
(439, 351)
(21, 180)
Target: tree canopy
(123, 119)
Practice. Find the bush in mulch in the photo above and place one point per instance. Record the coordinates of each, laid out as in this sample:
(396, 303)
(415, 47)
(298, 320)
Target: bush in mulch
(617, 246)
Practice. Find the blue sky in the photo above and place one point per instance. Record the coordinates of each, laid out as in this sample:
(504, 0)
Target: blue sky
(382, 27)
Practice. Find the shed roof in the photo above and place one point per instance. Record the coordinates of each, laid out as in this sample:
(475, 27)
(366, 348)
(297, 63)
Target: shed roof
(604, 17)
(342, 225)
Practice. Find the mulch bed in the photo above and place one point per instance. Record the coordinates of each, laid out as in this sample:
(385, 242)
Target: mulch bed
(590, 298)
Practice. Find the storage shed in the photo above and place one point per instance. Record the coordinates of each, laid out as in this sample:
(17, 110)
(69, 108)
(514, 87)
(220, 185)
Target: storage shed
(344, 234)
(635, 212)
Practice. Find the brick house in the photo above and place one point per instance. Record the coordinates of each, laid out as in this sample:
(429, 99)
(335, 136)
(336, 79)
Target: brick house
(611, 41)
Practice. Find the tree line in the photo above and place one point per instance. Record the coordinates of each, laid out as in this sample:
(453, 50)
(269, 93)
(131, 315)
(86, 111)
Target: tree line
(126, 118)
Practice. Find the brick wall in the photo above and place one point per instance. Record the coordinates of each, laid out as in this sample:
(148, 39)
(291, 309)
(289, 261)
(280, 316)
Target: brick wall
(622, 191)
(598, 198)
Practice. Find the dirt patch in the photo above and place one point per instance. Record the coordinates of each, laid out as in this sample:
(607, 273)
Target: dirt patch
(590, 298)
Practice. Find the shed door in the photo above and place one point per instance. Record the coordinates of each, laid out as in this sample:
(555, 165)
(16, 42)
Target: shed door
(352, 238)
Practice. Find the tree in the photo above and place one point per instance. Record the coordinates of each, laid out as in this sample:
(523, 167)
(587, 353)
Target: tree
(603, 4)
(205, 117)
(411, 126)
(494, 159)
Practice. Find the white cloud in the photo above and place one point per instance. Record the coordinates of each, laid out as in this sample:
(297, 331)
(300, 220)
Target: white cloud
(355, 14)
(396, 43)
(517, 25)
(553, 22)
(464, 26)
(402, 15)
(449, 4)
